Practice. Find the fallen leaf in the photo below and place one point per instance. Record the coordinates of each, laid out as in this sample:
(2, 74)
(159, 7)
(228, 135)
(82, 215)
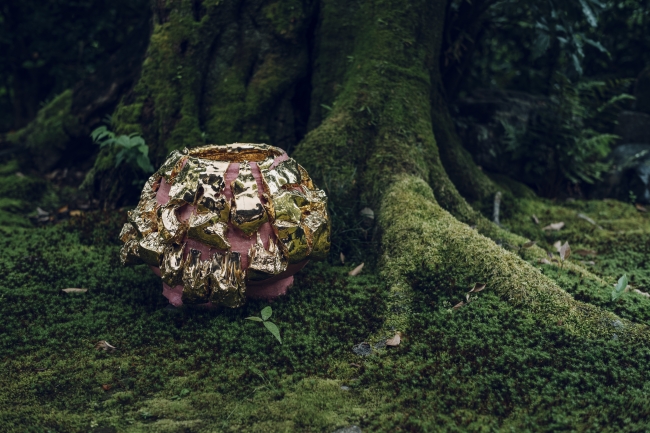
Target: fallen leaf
(588, 262)
(394, 341)
(559, 323)
(557, 245)
(586, 218)
(342, 257)
(554, 226)
(104, 345)
(640, 208)
(544, 261)
(356, 271)
(352, 364)
(76, 213)
(457, 306)
(366, 212)
(647, 295)
(63, 209)
(584, 253)
(477, 288)
(529, 244)
(535, 219)
(106, 387)
(565, 251)
(40, 212)
(74, 290)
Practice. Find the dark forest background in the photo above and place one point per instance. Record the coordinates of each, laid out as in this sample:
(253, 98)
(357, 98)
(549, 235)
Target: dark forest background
(540, 91)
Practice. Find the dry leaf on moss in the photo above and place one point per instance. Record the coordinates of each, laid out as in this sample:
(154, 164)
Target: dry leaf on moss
(477, 288)
(106, 387)
(557, 245)
(76, 213)
(394, 341)
(104, 345)
(545, 261)
(586, 252)
(640, 208)
(535, 219)
(565, 251)
(457, 306)
(647, 295)
(356, 271)
(529, 244)
(554, 226)
(74, 290)
(342, 257)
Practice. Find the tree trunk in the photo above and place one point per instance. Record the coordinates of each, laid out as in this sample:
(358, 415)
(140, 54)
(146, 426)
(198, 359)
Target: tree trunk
(355, 87)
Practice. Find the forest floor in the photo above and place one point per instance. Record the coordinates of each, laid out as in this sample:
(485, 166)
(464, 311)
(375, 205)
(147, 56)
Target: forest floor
(486, 366)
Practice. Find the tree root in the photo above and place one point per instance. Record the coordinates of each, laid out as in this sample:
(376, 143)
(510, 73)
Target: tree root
(424, 243)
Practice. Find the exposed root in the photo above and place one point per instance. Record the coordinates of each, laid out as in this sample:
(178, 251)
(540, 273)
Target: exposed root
(423, 242)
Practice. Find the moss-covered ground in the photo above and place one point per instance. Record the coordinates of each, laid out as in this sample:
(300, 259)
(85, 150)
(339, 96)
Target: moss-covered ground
(488, 366)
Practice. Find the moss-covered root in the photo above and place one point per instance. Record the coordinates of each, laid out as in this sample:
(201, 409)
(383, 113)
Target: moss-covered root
(425, 245)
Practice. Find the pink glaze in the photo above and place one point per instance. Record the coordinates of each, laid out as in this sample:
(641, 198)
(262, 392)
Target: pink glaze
(270, 288)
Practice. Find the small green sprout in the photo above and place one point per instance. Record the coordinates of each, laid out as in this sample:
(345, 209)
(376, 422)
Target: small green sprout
(266, 314)
(620, 287)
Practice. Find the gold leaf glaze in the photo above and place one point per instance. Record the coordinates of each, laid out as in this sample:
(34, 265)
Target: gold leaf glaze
(151, 249)
(212, 181)
(128, 232)
(286, 224)
(172, 265)
(305, 180)
(227, 280)
(130, 254)
(150, 189)
(196, 287)
(293, 241)
(316, 222)
(171, 166)
(170, 228)
(236, 152)
(247, 212)
(144, 217)
(209, 229)
(186, 184)
(286, 174)
(263, 263)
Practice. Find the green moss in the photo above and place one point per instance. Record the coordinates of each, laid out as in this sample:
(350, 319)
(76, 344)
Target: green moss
(283, 15)
(22, 188)
(615, 222)
(513, 187)
(426, 245)
(46, 138)
(488, 365)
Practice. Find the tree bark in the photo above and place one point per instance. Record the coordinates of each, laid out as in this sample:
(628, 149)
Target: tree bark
(364, 78)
